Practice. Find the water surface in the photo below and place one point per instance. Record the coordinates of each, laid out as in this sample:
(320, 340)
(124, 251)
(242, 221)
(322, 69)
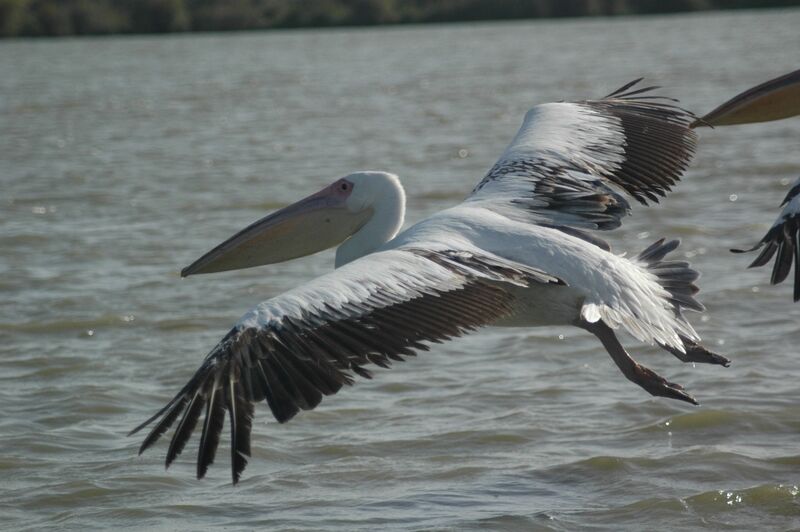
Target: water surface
(123, 159)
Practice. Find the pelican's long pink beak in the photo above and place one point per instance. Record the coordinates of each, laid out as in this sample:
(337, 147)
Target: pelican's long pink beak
(317, 222)
(772, 100)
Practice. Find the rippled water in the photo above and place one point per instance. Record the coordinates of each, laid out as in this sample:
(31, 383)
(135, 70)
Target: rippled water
(123, 159)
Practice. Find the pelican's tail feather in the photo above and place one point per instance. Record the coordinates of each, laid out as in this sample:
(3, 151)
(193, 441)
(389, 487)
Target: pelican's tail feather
(677, 277)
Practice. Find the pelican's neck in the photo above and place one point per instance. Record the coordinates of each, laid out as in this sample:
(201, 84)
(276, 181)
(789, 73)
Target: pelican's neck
(389, 208)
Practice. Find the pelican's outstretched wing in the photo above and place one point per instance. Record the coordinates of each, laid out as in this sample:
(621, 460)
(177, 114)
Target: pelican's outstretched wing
(784, 238)
(569, 162)
(293, 349)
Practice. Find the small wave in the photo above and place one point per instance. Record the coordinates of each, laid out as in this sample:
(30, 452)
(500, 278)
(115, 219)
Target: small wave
(68, 325)
(774, 498)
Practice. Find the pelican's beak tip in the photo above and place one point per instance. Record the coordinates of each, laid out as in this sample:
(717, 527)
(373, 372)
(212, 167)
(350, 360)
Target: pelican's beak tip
(192, 269)
(187, 271)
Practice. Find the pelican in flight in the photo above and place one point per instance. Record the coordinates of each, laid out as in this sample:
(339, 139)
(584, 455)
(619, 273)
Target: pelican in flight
(775, 99)
(782, 241)
(520, 250)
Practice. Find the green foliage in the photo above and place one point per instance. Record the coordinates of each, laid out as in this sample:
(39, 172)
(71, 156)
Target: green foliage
(84, 17)
(158, 16)
(93, 17)
(12, 16)
(230, 15)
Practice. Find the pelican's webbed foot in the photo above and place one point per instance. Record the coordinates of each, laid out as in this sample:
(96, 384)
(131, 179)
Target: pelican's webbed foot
(694, 352)
(645, 377)
(655, 384)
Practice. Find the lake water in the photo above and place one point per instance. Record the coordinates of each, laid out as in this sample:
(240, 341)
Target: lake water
(124, 159)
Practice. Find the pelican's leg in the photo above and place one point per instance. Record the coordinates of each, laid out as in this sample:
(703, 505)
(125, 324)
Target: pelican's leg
(648, 379)
(695, 352)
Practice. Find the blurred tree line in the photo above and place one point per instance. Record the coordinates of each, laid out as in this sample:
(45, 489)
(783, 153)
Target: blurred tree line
(92, 17)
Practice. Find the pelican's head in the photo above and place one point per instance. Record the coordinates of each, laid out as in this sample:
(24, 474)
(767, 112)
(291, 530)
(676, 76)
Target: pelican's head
(317, 222)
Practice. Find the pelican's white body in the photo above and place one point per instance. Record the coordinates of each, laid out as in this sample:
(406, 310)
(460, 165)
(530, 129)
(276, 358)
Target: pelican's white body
(599, 284)
(516, 252)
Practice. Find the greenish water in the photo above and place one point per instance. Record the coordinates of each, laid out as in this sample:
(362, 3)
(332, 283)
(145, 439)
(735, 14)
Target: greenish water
(123, 159)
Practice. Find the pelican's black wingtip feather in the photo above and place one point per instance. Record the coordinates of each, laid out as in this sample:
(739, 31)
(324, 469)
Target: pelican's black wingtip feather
(162, 411)
(620, 91)
(240, 411)
(700, 121)
(796, 236)
(782, 241)
(748, 250)
(293, 362)
(785, 256)
(212, 429)
(627, 92)
(794, 191)
(185, 428)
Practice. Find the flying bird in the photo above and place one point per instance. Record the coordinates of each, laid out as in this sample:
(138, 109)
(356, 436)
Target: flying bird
(520, 250)
(782, 241)
(775, 99)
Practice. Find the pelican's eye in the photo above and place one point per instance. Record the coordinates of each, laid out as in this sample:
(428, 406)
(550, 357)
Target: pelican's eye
(344, 186)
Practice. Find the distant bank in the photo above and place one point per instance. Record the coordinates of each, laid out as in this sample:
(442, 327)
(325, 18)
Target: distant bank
(19, 18)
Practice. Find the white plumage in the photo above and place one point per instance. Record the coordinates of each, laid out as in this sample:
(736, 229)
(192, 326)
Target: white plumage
(516, 252)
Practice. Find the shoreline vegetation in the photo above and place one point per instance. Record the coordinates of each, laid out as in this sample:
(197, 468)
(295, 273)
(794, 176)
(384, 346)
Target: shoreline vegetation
(52, 18)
